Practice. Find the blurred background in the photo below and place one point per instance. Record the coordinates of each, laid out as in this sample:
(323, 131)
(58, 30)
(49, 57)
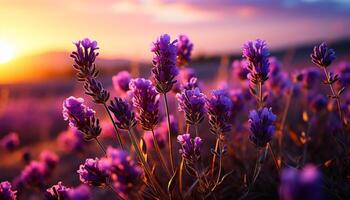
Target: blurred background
(36, 38)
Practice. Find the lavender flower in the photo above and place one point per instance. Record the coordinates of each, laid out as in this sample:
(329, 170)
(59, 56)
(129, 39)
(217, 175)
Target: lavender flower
(34, 174)
(6, 192)
(190, 148)
(192, 103)
(319, 103)
(95, 89)
(10, 142)
(184, 50)
(261, 126)
(57, 192)
(125, 174)
(219, 111)
(125, 118)
(239, 69)
(322, 56)
(344, 70)
(238, 102)
(84, 58)
(164, 62)
(257, 55)
(146, 101)
(49, 158)
(82, 192)
(92, 173)
(121, 81)
(301, 185)
(81, 117)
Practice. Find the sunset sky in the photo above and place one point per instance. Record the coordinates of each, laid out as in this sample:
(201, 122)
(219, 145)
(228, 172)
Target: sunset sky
(125, 29)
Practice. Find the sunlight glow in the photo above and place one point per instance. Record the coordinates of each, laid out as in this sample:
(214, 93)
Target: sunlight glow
(6, 52)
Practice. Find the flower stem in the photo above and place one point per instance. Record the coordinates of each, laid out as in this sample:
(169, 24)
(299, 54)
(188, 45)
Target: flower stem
(260, 95)
(180, 176)
(197, 132)
(100, 145)
(115, 192)
(169, 134)
(159, 154)
(115, 127)
(336, 96)
(214, 156)
(155, 186)
(273, 157)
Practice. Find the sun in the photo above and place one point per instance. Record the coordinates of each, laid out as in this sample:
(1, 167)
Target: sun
(6, 52)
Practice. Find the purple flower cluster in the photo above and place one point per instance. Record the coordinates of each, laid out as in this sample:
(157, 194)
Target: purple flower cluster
(318, 103)
(344, 70)
(49, 158)
(57, 192)
(81, 117)
(125, 118)
(261, 126)
(309, 78)
(10, 142)
(84, 57)
(302, 184)
(84, 62)
(184, 50)
(92, 173)
(219, 108)
(164, 62)
(190, 148)
(257, 55)
(145, 100)
(61, 192)
(121, 81)
(6, 192)
(192, 103)
(322, 56)
(34, 174)
(124, 173)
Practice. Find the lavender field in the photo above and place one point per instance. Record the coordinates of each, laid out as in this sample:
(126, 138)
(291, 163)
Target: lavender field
(174, 100)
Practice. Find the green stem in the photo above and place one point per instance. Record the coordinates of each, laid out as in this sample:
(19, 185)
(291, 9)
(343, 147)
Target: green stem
(115, 127)
(159, 154)
(169, 134)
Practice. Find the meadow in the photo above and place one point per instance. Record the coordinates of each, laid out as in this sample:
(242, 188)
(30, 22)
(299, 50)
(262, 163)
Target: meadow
(258, 125)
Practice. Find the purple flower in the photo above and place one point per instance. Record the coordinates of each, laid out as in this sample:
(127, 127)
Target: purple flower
(238, 102)
(190, 148)
(322, 56)
(318, 103)
(302, 184)
(10, 142)
(125, 118)
(257, 55)
(6, 192)
(57, 192)
(92, 173)
(49, 158)
(84, 57)
(81, 117)
(121, 81)
(81, 192)
(309, 78)
(145, 100)
(219, 111)
(239, 69)
(192, 103)
(184, 50)
(261, 126)
(71, 140)
(164, 62)
(34, 174)
(95, 89)
(125, 174)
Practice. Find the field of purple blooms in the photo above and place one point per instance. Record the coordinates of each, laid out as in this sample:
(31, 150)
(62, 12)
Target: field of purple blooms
(262, 133)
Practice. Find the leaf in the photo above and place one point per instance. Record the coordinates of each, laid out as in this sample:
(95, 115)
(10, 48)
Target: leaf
(173, 180)
(341, 91)
(143, 147)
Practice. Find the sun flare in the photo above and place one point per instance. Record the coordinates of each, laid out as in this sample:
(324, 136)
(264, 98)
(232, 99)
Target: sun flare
(6, 52)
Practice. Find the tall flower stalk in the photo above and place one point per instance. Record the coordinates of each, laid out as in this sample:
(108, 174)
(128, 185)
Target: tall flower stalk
(323, 57)
(164, 73)
(84, 63)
